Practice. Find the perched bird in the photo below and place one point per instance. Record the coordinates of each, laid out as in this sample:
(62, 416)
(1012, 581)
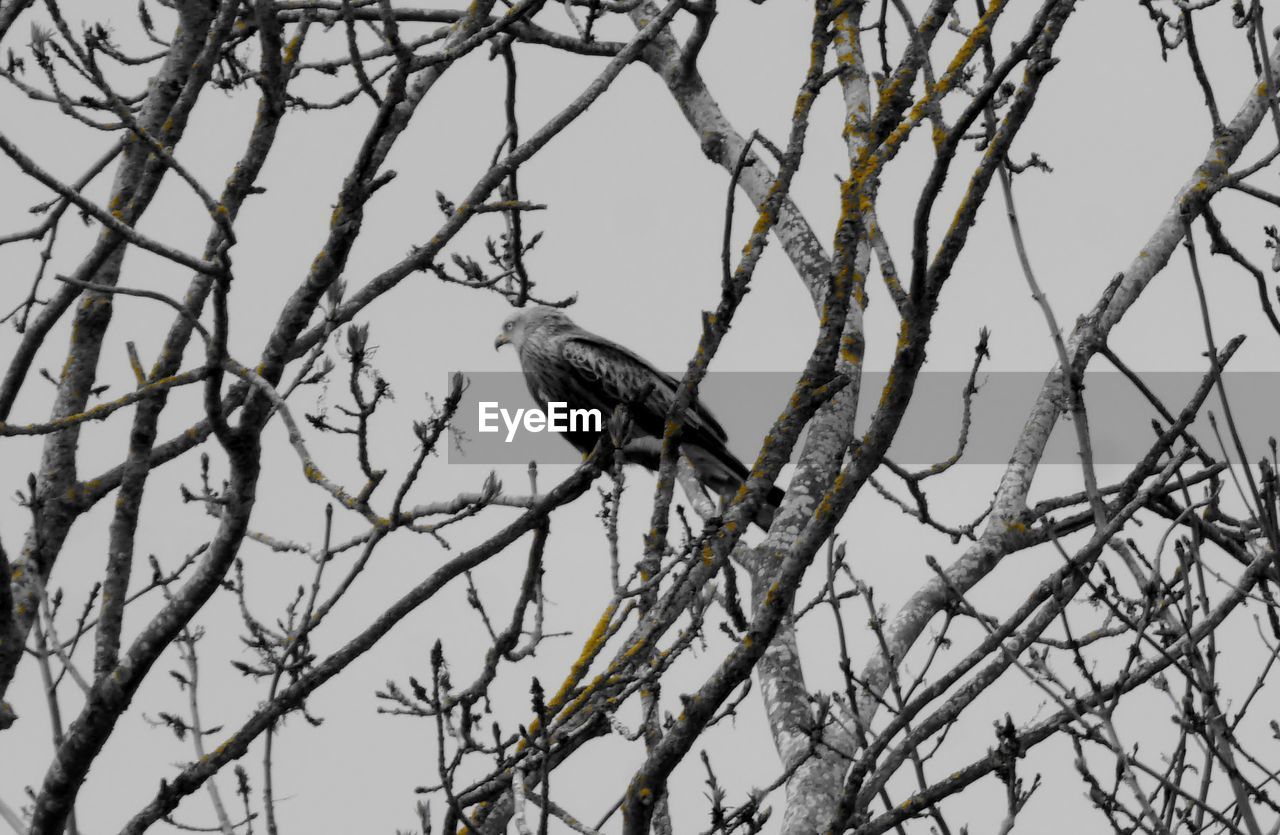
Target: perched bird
(564, 363)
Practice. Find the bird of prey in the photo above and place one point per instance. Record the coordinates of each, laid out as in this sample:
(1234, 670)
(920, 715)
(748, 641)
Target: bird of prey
(566, 364)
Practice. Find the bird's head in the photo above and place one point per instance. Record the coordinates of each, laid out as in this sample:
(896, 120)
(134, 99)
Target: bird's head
(522, 324)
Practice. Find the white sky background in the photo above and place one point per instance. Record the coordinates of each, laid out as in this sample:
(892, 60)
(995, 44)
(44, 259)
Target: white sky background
(634, 228)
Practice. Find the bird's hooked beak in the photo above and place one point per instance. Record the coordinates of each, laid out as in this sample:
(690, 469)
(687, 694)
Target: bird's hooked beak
(502, 339)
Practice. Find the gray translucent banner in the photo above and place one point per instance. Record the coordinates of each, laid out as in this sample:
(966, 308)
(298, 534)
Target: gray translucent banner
(747, 403)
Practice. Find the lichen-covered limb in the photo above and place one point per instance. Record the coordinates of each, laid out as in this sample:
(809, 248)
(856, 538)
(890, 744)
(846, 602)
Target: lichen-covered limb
(815, 785)
(648, 785)
(723, 144)
(784, 692)
(693, 490)
(136, 468)
(782, 679)
(619, 679)
(814, 791)
(831, 432)
(734, 286)
(104, 410)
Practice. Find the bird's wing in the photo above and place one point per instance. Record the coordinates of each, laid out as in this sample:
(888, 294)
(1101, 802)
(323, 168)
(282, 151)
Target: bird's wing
(608, 374)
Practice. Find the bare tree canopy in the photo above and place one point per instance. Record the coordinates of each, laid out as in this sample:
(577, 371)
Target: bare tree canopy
(253, 253)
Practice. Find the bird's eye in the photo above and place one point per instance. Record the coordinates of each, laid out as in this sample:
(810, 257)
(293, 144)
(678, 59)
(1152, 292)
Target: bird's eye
(508, 326)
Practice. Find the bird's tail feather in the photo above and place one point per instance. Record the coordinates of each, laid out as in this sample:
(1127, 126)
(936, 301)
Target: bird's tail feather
(717, 468)
(724, 474)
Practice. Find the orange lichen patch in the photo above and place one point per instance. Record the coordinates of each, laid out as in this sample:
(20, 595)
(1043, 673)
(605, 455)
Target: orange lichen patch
(573, 706)
(967, 50)
(217, 752)
(939, 135)
(860, 294)
(589, 650)
(888, 91)
(803, 102)
(826, 506)
(944, 85)
(888, 389)
(845, 28)
(904, 335)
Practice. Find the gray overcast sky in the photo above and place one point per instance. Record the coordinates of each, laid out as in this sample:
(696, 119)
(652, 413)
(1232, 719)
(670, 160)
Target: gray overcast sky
(634, 228)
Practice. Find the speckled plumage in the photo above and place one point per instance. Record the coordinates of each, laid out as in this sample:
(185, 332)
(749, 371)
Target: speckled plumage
(564, 363)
